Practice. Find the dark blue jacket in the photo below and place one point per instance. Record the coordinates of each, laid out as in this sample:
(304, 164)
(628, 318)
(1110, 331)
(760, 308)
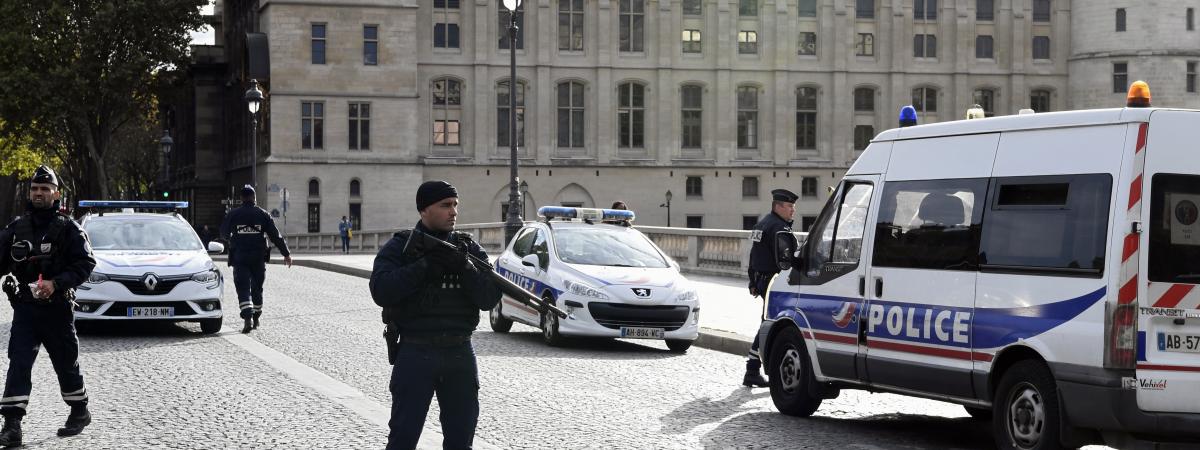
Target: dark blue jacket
(762, 251)
(70, 262)
(247, 229)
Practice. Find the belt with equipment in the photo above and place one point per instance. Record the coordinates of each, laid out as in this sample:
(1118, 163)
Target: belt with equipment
(436, 341)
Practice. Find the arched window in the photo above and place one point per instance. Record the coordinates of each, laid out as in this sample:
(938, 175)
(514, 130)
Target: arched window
(747, 117)
(570, 114)
(502, 113)
(355, 188)
(631, 115)
(314, 188)
(691, 100)
(806, 118)
(314, 206)
(924, 100)
(447, 111)
(864, 99)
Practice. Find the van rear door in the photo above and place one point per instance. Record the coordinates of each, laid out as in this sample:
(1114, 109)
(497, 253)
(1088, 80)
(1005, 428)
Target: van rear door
(1168, 366)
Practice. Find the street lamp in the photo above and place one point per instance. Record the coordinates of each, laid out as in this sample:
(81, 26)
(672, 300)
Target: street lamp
(513, 222)
(668, 206)
(254, 98)
(166, 142)
(524, 195)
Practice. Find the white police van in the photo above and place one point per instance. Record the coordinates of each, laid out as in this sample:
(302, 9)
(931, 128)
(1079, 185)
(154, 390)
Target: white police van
(610, 278)
(150, 265)
(1038, 269)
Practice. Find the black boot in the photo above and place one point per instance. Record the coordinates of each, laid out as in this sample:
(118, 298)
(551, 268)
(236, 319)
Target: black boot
(79, 418)
(10, 435)
(256, 314)
(246, 329)
(753, 378)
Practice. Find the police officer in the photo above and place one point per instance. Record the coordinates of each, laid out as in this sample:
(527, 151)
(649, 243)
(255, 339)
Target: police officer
(247, 229)
(763, 266)
(49, 255)
(431, 302)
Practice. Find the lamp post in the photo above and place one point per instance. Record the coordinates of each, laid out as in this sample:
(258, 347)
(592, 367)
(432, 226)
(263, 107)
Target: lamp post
(165, 143)
(513, 222)
(254, 98)
(668, 206)
(524, 196)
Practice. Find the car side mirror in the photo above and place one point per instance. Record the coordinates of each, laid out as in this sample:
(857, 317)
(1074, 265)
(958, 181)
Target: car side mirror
(215, 248)
(785, 250)
(530, 260)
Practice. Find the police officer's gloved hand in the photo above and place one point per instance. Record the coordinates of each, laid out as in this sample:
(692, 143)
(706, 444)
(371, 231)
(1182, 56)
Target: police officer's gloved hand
(450, 261)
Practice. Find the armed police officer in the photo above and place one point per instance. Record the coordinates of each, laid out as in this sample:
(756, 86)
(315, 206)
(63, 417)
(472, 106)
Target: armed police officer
(247, 229)
(763, 266)
(49, 255)
(431, 297)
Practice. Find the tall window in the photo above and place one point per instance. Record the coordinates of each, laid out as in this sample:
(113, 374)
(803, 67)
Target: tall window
(1191, 76)
(502, 114)
(864, 9)
(1039, 100)
(808, 8)
(356, 216)
(983, 47)
(691, 41)
(806, 118)
(1041, 10)
(314, 217)
(504, 18)
(318, 43)
(631, 115)
(924, 100)
(312, 125)
(1120, 19)
(864, 45)
(925, 46)
(447, 111)
(633, 22)
(451, 4)
(747, 8)
(1120, 77)
(1041, 47)
(360, 126)
(807, 44)
(370, 45)
(355, 188)
(314, 188)
(864, 99)
(986, 98)
(445, 35)
(924, 9)
(570, 25)
(747, 42)
(691, 101)
(694, 186)
(808, 187)
(749, 187)
(693, 7)
(1191, 19)
(985, 10)
(863, 135)
(570, 114)
(747, 117)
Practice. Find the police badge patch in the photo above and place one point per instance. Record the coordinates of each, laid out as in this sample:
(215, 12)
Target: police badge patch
(756, 235)
(45, 247)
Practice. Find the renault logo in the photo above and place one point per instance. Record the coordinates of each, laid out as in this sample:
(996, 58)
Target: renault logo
(150, 281)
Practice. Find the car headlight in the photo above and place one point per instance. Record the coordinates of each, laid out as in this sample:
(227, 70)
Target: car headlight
(205, 277)
(687, 296)
(583, 290)
(97, 278)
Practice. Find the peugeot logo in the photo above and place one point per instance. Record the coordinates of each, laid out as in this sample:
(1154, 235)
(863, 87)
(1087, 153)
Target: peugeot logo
(150, 281)
(641, 292)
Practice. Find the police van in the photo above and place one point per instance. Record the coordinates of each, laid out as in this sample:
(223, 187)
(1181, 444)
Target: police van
(610, 278)
(1039, 269)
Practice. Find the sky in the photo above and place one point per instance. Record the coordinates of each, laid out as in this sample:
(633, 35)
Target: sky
(204, 36)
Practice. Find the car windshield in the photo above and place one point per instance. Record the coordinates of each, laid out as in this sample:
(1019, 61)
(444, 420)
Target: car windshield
(142, 234)
(606, 246)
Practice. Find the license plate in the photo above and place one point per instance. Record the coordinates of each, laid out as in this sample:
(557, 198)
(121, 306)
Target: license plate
(151, 311)
(641, 333)
(1178, 342)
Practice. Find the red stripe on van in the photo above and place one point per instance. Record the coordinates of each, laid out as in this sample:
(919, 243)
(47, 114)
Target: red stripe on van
(1168, 368)
(1135, 191)
(985, 357)
(1141, 142)
(1131, 246)
(1173, 295)
(836, 338)
(1128, 293)
(932, 351)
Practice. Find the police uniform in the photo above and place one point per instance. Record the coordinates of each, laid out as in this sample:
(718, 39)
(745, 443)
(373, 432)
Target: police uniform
(43, 244)
(431, 303)
(763, 267)
(247, 229)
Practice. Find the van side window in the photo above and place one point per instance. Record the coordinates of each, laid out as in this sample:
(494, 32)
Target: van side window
(930, 224)
(1047, 223)
(840, 230)
(1174, 228)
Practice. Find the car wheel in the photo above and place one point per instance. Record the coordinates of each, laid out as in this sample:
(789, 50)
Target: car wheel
(210, 326)
(500, 324)
(790, 375)
(549, 324)
(1026, 413)
(979, 413)
(679, 345)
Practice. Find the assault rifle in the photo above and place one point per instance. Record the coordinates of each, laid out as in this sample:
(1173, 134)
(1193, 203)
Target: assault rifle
(421, 243)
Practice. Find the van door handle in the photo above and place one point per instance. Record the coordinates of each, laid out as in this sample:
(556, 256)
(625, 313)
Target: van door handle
(862, 286)
(878, 287)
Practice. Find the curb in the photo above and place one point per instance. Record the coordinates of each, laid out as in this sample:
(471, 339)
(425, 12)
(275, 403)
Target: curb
(712, 339)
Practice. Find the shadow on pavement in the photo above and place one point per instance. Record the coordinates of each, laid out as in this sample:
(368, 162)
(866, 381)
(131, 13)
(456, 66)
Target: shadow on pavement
(514, 343)
(890, 431)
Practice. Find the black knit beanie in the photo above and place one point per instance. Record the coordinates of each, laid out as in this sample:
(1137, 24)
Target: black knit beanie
(432, 192)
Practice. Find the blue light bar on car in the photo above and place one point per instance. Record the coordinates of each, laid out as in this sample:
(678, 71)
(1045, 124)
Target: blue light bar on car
(131, 204)
(592, 214)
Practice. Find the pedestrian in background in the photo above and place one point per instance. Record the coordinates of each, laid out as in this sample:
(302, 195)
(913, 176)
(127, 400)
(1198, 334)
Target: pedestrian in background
(344, 228)
(619, 205)
(206, 236)
(764, 267)
(431, 300)
(49, 254)
(247, 229)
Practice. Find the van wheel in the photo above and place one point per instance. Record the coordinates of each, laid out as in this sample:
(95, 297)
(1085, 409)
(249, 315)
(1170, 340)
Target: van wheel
(679, 345)
(210, 326)
(1026, 413)
(549, 324)
(979, 413)
(500, 324)
(790, 375)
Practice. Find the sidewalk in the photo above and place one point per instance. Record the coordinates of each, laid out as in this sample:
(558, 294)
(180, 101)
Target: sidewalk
(729, 316)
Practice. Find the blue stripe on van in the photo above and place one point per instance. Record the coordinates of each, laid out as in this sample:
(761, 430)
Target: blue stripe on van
(1141, 351)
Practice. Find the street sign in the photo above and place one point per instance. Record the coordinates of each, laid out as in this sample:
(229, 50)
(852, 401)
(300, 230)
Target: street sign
(274, 187)
(285, 194)
(284, 205)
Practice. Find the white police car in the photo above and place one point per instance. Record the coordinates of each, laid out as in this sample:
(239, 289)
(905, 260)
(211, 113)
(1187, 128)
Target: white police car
(611, 279)
(149, 266)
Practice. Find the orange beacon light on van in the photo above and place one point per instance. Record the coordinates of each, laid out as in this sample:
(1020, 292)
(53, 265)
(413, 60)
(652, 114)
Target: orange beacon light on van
(1139, 95)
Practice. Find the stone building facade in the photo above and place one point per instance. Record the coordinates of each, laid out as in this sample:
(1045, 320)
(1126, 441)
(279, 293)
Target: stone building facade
(715, 101)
